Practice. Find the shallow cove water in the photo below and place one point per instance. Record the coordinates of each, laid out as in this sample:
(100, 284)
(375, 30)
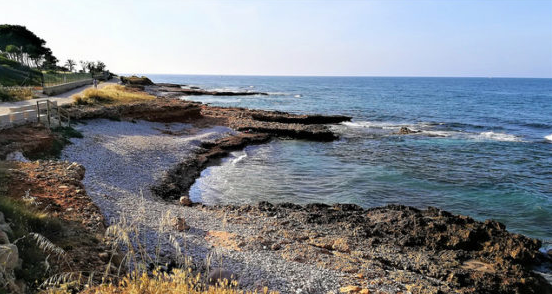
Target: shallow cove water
(484, 150)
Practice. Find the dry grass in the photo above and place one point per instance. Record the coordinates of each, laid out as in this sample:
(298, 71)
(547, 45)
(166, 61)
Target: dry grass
(15, 93)
(127, 236)
(112, 94)
(179, 282)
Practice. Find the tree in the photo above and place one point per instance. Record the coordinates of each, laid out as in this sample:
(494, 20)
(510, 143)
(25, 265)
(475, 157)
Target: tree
(100, 66)
(90, 66)
(70, 64)
(31, 50)
(50, 61)
(84, 65)
(13, 52)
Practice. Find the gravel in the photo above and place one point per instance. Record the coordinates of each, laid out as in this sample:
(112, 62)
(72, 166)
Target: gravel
(123, 159)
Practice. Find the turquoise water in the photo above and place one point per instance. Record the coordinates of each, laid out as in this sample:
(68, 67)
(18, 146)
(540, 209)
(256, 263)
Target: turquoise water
(482, 152)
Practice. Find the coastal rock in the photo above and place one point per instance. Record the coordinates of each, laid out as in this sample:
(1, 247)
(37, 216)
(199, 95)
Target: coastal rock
(170, 90)
(16, 156)
(4, 239)
(218, 276)
(9, 256)
(350, 289)
(180, 178)
(134, 80)
(428, 251)
(5, 227)
(180, 224)
(282, 117)
(185, 201)
(406, 131)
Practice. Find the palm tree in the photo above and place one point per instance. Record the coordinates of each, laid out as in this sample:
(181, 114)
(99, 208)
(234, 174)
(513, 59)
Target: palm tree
(70, 63)
(84, 65)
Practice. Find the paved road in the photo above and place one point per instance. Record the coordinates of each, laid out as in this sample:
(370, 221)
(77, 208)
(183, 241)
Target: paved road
(64, 98)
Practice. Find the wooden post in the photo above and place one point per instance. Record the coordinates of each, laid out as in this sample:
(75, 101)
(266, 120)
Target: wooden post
(38, 111)
(59, 115)
(48, 111)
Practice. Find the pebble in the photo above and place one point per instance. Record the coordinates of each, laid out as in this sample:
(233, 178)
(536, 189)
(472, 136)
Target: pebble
(123, 159)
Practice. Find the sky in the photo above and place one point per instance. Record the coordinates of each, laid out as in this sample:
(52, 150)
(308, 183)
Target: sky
(458, 38)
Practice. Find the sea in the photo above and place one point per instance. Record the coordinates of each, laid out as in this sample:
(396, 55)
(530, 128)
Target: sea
(484, 148)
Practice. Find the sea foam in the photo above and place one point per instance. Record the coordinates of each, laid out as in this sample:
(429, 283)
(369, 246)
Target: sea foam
(499, 137)
(549, 137)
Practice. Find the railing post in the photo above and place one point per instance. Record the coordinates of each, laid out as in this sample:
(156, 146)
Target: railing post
(48, 111)
(59, 115)
(37, 111)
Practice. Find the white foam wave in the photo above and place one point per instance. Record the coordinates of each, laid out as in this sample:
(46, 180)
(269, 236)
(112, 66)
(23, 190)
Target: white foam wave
(443, 134)
(369, 124)
(238, 159)
(499, 137)
(549, 137)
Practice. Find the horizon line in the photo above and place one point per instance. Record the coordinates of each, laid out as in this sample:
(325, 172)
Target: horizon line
(338, 76)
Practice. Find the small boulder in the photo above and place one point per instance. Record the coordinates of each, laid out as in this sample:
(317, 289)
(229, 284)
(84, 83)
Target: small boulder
(6, 228)
(16, 156)
(185, 201)
(406, 131)
(4, 238)
(218, 275)
(349, 289)
(180, 224)
(9, 256)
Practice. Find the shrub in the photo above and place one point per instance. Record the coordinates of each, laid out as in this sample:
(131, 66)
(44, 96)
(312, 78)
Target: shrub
(15, 93)
(111, 94)
(134, 80)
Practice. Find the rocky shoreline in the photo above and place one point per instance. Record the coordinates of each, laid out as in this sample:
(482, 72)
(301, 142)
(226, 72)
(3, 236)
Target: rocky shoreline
(142, 162)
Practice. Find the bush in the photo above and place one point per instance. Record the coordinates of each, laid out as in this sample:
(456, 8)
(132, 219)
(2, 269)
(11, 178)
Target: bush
(134, 80)
(111, 94)
(15, 93)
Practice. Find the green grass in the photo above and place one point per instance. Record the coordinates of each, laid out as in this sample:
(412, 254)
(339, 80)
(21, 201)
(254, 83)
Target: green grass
(63, 134)
(12, 73)
(67, 132)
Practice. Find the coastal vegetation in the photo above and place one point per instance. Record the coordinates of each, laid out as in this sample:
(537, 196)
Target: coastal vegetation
(19, 44)
(8, 94)
(31, 230)
(27, 63)
(112, 94)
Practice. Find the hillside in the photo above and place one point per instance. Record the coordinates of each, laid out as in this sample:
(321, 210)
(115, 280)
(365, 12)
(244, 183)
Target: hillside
(13, 73)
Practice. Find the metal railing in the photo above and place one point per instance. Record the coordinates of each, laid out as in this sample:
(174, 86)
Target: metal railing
(54, 79)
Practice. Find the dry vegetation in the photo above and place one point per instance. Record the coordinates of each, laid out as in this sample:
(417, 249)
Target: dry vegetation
(112, 94)
(178, 282)
(131, 272)
(15, 93)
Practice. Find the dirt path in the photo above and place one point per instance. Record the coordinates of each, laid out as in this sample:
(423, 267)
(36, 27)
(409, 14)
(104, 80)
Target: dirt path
(64, 98)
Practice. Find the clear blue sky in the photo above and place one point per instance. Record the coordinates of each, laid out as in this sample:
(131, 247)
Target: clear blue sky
(284, 37)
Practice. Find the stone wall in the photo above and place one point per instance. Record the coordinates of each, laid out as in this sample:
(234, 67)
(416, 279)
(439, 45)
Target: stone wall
(65, 87)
